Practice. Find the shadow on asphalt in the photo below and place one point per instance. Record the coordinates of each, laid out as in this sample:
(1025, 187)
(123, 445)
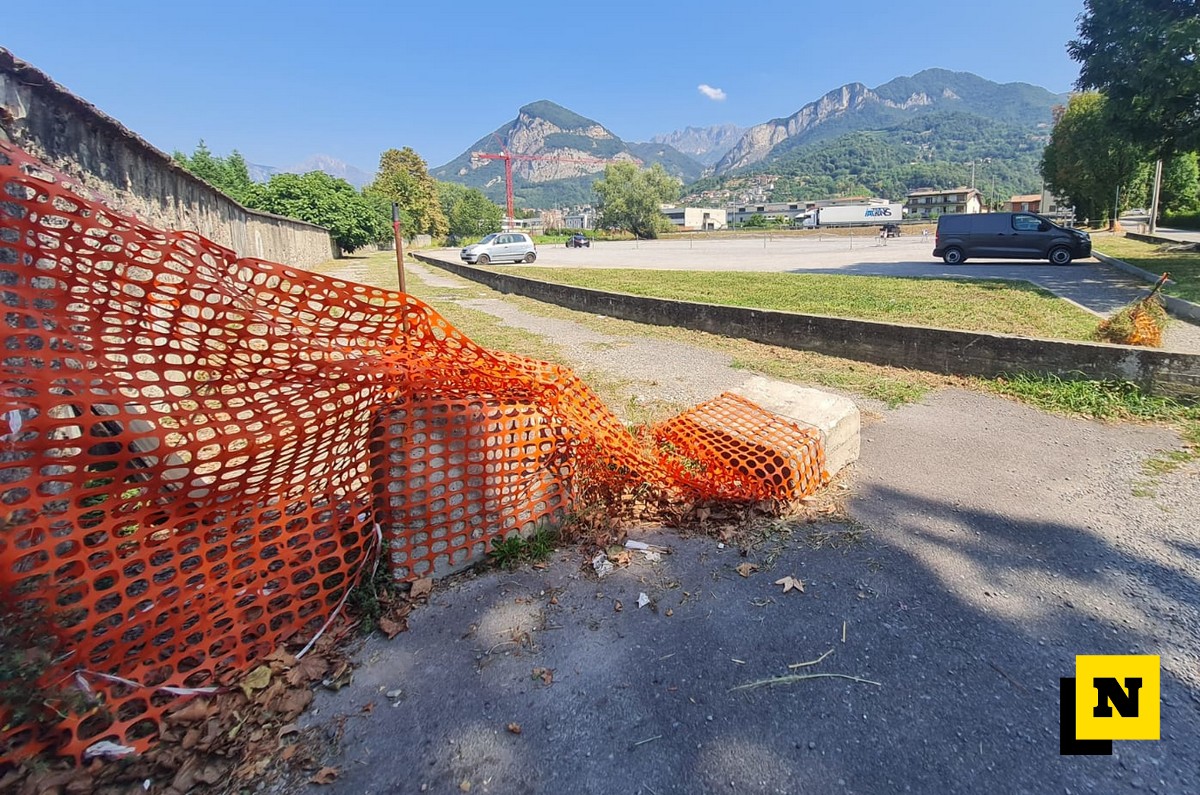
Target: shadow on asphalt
(962, 626)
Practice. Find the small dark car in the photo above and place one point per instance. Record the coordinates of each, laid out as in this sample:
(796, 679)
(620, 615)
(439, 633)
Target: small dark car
(578, 241)
(890, 230)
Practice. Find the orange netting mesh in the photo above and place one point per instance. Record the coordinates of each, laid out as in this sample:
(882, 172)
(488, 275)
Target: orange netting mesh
(201, 454)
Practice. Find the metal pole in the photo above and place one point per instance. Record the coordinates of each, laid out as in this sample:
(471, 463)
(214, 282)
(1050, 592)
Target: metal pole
(399, 246)
(1116, 210)
(1154, 197)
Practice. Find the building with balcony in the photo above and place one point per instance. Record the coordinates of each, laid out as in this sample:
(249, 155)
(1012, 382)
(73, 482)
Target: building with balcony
(932, 202)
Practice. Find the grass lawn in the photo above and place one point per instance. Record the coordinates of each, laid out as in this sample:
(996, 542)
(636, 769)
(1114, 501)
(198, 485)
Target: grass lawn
(970, 305)
(1112, 401)
(1184, 266)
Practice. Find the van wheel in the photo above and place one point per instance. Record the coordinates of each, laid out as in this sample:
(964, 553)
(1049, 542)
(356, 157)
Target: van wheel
(953, 256)
(530, 257)
(484, 259)
(1060, 255)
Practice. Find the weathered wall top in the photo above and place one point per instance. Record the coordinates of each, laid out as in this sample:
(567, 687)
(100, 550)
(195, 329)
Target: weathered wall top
(75, 137)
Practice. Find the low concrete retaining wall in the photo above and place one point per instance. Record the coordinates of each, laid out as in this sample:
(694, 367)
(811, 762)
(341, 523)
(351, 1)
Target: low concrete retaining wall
(1153, 239)
(915, 347)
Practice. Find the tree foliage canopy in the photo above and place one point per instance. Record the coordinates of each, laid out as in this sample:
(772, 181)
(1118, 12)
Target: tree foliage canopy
(468, 211)
(1145, 56)
(630, 198)
(327, 201)
(1087, 161)
(404, 178)
(227, 174)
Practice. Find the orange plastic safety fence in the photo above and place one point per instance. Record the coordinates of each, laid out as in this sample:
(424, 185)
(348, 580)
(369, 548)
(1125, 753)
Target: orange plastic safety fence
(730, 449)
(201, 454)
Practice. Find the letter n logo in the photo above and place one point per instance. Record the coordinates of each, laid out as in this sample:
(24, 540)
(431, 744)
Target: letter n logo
(1117, 697)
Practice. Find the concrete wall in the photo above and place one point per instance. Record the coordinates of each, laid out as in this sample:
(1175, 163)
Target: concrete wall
(75, 138)
(916, 347)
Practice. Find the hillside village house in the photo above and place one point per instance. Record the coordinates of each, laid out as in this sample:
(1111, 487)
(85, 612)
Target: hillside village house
(928, 202)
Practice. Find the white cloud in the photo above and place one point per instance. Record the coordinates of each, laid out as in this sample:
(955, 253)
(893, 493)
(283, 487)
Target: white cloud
(715, 94)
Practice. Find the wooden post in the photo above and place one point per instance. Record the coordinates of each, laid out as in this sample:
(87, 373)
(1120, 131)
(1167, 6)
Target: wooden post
(399, 246)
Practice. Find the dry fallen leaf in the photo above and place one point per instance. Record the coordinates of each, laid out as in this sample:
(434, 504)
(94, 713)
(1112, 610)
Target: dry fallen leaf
(309, 669)
(545, 674)
(789, 582)
(392, 628)
(746, 569)
(422, 587)
(515, 728)
(281, 655)
(195, 711)
(326, 775)
(257, 679)
(617, 606)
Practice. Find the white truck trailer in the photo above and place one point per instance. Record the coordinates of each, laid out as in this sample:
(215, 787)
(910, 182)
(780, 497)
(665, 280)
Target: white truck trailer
(854, 215)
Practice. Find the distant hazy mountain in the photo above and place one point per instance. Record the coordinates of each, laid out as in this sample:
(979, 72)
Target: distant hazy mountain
(334, 167)
(705, 144)
(330, 165)
(854, 108)
(261, 173)
(558, 155)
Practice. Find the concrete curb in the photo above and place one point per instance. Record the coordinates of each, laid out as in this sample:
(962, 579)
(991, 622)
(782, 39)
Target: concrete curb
(1157, 239)
(1184, 310)
(937, 350)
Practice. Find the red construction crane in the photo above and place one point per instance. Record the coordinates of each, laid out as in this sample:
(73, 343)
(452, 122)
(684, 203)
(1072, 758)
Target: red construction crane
(508, 157)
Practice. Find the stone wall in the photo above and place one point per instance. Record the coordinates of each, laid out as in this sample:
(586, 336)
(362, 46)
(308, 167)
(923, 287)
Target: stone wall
(916, 347)
(77, 139)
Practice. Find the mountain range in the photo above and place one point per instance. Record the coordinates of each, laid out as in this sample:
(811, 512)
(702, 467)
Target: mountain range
(556, 155)
(922, 130)
(917, 131)
(707, 145)
(330, 165)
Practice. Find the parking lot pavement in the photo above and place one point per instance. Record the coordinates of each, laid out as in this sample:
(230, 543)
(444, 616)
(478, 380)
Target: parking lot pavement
(1086, 283)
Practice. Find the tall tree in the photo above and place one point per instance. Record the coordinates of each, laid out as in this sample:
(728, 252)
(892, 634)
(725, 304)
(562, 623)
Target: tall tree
(229, 175)
(1087, 161)
(327, 201)
(1181, 184)
(1145, 56)
(468, 211)
(403, 177)
(631, 198)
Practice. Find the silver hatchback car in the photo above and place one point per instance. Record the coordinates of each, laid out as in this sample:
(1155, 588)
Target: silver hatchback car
(514, 246)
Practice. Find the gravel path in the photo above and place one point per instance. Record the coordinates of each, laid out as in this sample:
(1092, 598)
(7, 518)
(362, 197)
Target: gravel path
(997, 542)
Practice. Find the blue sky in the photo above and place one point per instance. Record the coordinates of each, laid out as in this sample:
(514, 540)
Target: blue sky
(282, 81)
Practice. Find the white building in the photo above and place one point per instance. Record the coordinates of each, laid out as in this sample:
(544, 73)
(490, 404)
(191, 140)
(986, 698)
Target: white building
(584, 218)
(704, 219)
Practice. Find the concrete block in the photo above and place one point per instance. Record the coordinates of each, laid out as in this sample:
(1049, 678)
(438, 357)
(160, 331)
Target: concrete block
(836, 417)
